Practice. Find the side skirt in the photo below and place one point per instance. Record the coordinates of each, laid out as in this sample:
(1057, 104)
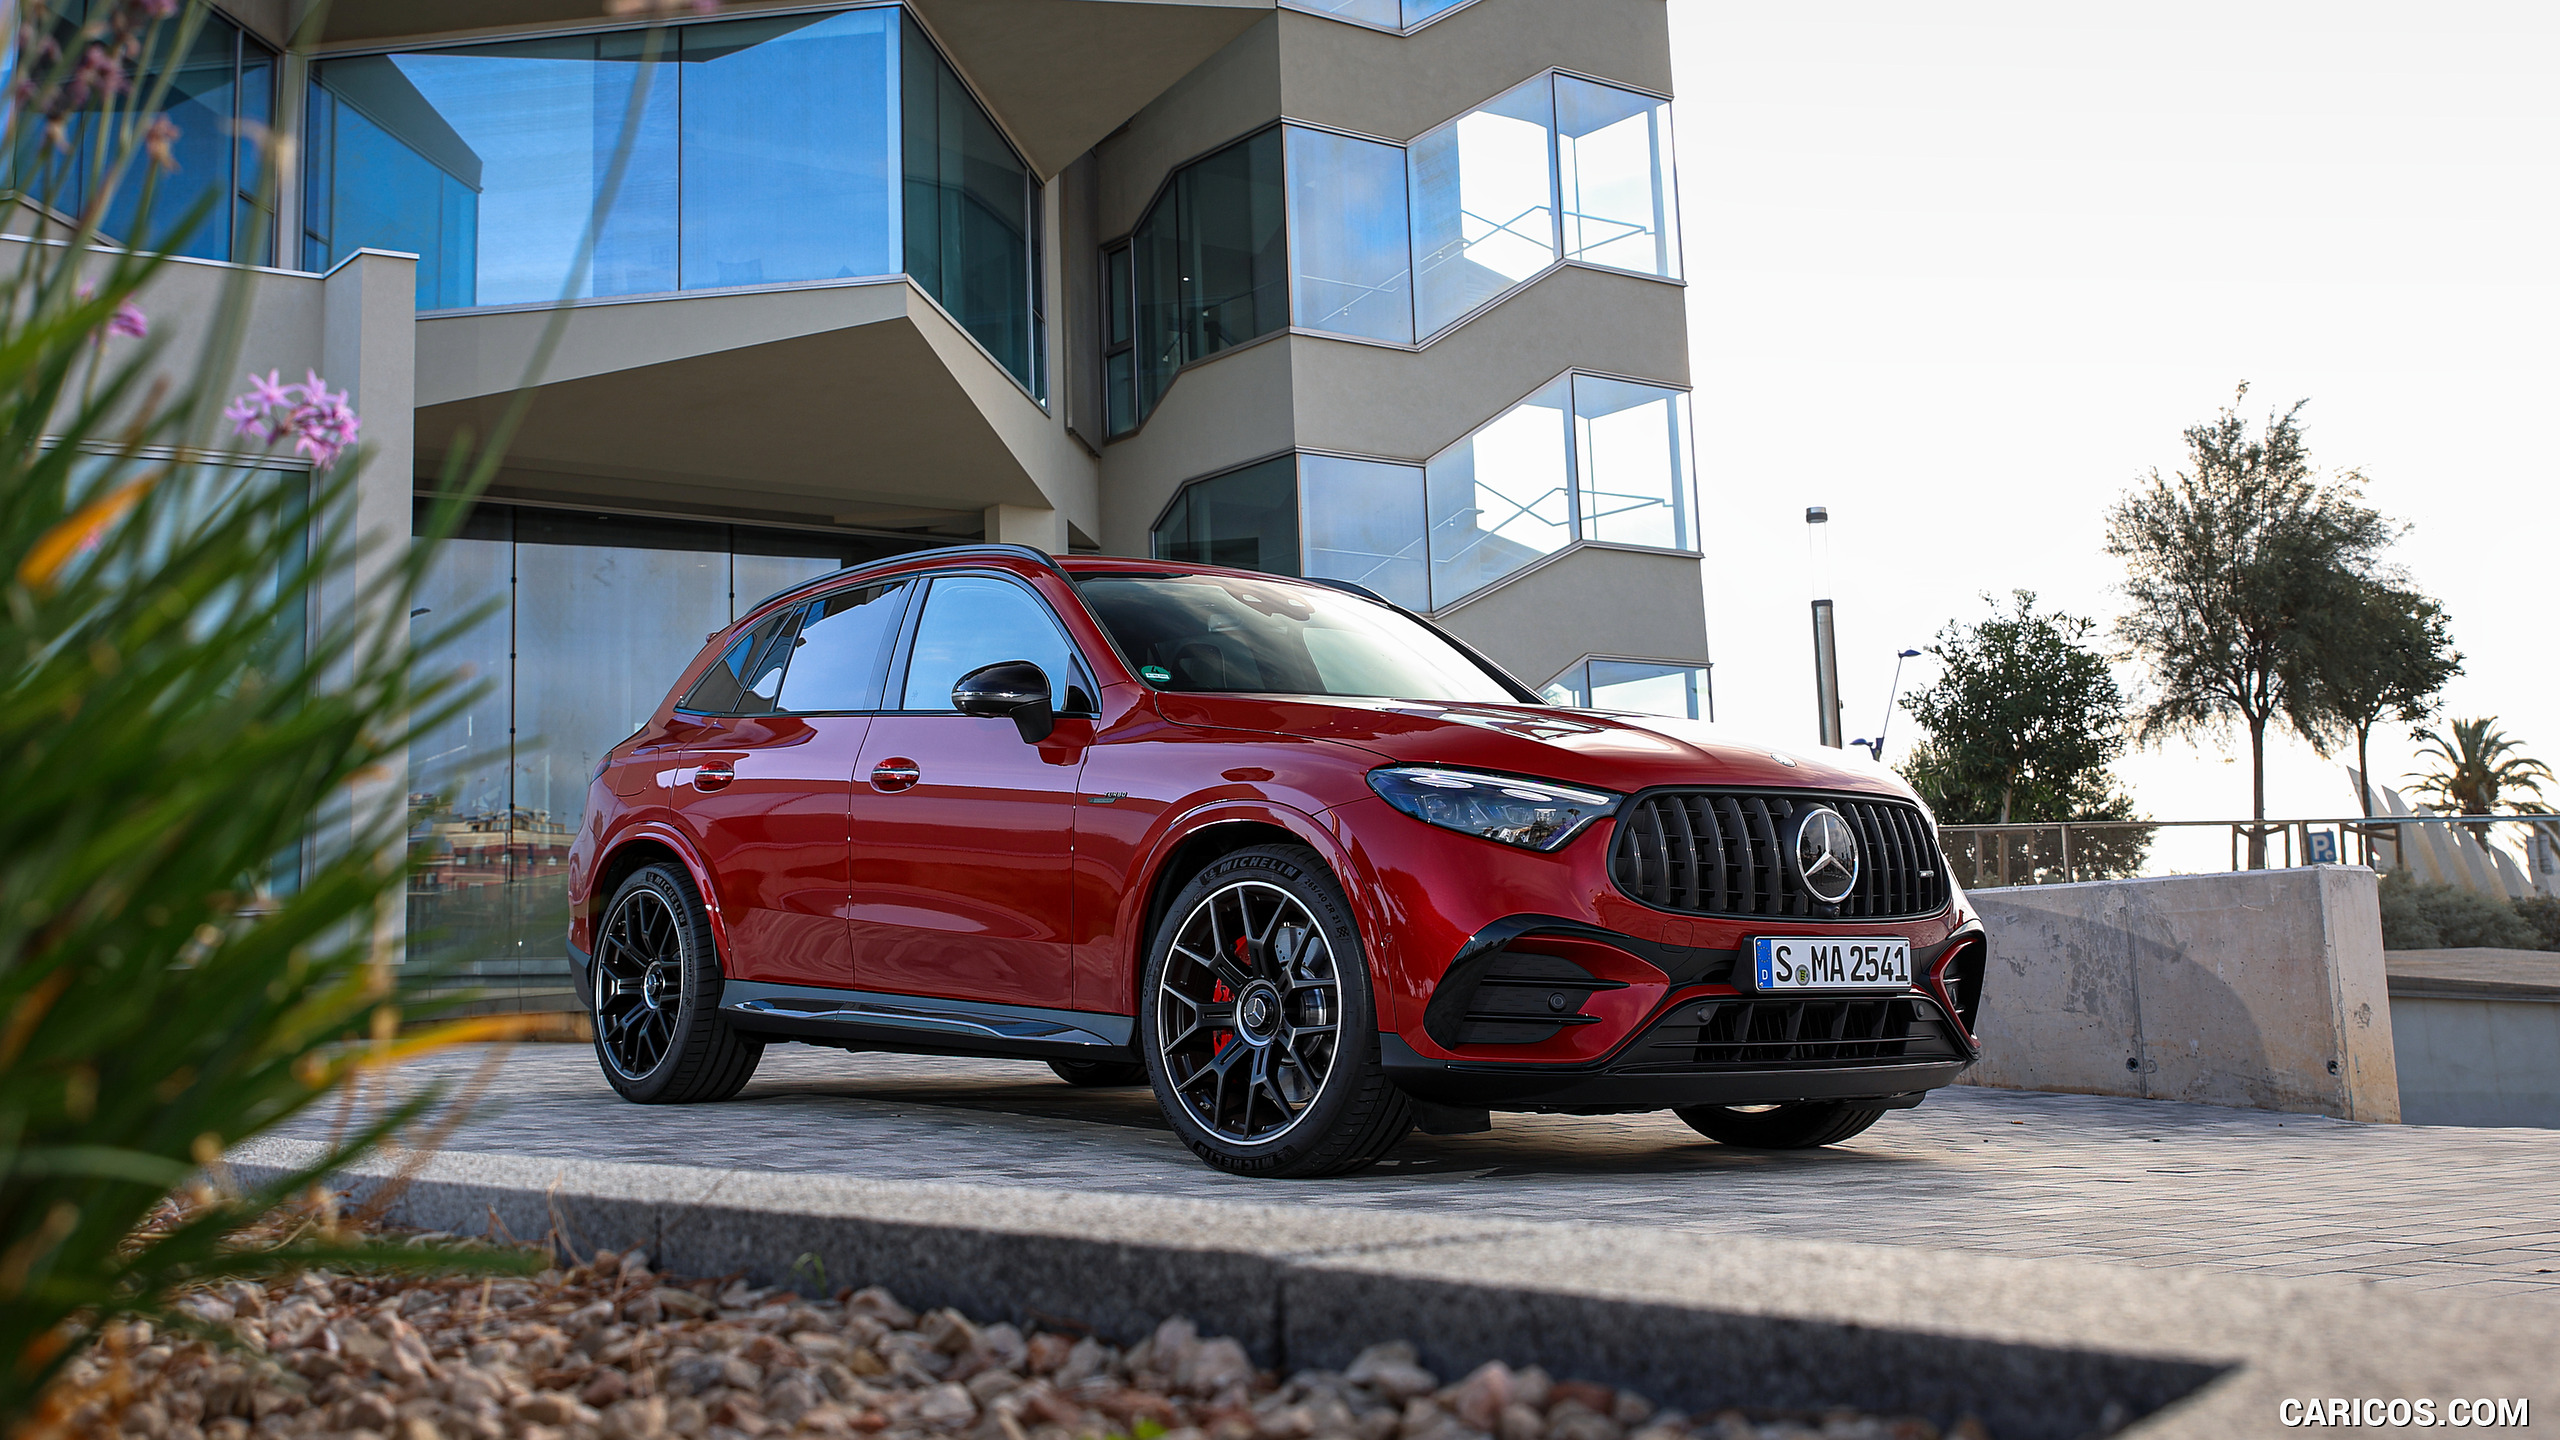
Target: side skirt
(924, 1024)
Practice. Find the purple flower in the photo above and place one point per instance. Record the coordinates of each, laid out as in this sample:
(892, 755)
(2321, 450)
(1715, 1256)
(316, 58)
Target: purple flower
(317, 419)
(129, 321)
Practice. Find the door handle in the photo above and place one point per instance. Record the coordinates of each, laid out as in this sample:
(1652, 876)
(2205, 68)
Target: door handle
(895, 775)
(713, 776)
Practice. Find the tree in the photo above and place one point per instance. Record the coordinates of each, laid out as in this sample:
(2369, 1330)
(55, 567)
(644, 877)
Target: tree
(2023, 724)
(2386, 655)
(2237, 570)
(2477, 767)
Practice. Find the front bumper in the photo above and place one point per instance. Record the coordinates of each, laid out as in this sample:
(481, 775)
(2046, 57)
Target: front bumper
(1713, 1046)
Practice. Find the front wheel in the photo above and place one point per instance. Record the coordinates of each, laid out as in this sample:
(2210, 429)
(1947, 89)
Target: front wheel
(1803, 1125)
(659, 1033)
(1257, 1024)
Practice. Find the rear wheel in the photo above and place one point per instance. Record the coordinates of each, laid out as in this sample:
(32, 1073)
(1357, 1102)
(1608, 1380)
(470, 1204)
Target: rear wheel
(659, 1033)
(1097, 1074)
(1803, 1125)
(1257, 1023)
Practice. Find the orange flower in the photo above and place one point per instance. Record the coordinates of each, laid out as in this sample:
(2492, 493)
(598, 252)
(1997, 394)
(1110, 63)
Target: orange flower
(79, 534)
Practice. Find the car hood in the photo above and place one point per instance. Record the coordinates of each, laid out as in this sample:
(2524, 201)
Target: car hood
(1610, 749)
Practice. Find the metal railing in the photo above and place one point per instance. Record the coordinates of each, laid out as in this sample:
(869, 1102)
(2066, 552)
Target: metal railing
(2064, 851)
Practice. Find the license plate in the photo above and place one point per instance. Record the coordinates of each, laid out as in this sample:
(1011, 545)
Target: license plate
(1800, 962)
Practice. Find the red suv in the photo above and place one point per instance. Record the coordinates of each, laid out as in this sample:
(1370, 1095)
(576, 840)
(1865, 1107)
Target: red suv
(1311, 868)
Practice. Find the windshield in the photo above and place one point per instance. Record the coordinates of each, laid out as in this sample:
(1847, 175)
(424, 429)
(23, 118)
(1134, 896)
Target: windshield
(1216, 632)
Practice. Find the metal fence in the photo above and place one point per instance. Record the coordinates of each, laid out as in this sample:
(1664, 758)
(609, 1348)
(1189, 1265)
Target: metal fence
(2060, 852)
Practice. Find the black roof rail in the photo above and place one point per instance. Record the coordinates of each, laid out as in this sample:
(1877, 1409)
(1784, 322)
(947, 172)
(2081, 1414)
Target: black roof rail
(1018, 552)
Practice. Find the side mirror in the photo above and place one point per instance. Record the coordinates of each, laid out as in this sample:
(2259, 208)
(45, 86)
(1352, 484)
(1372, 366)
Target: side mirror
(1016, 689)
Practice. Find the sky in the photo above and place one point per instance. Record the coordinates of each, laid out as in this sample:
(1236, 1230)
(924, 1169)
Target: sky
(1964, 271)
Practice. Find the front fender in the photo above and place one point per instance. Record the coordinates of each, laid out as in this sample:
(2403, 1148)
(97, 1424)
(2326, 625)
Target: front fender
(1175, 832)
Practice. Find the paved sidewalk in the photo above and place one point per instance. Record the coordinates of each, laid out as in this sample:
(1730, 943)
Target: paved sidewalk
(2151, 1183)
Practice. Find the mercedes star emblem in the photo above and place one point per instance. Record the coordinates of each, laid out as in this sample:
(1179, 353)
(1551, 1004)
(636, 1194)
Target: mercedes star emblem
(1826, 854)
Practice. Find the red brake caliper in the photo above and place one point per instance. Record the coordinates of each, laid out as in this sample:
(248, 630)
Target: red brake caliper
(1218, 993)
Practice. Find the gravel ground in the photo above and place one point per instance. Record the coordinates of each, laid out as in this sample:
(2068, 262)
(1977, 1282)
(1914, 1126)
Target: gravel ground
(611, 1351)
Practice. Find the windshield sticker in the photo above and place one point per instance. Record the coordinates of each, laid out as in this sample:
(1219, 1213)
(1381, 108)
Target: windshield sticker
(1155, 674)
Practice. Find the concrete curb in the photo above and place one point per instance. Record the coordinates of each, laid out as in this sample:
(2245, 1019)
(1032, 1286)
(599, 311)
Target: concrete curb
(2037, 1348)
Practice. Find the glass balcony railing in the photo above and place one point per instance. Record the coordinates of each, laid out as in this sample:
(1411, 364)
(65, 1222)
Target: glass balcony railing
(1338, 235)
(1586, 458)
(783, 150)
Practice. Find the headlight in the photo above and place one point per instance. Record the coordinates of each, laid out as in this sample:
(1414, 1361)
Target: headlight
(1532, 814)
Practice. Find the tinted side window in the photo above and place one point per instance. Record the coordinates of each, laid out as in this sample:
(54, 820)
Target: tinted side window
(749, 666)
(843, 649)
(974, 620)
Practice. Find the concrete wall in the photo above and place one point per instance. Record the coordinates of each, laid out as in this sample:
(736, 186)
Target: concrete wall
(2263, 989)
(2482, 1061)
(1587, 599)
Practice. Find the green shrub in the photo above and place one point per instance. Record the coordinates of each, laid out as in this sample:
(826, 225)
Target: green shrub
(2542, 912)
(2419, 916)
(191, 882)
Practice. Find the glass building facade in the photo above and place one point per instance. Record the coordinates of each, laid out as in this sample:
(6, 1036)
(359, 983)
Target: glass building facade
(792, 149)
(572, 625)
(1585, 458)
(221, 96)
(1647, 687)
(1335, 234)
(1378, 14)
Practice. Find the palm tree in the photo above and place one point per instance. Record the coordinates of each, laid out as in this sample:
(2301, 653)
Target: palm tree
(2476, 768)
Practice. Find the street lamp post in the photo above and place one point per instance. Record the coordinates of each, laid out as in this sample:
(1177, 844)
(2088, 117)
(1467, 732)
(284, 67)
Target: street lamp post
(1826, 641)
(1875, 747)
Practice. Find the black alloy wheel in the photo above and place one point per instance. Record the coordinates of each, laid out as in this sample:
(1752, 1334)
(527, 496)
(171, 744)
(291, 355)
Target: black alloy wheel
(1258, 1025)
(1801, 1125)
(659, 1033)
(1100, 1074)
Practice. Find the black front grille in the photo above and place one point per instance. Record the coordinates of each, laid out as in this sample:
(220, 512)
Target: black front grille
(1713, 852)
(1753, 1034)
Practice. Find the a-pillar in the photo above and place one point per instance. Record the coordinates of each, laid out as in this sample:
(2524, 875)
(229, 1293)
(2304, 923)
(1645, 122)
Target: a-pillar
(1037, 526)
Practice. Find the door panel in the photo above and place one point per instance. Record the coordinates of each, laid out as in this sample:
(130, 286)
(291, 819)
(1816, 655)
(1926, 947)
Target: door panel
(767, 799)
(768, 796)
(963, 834)
(960, 874)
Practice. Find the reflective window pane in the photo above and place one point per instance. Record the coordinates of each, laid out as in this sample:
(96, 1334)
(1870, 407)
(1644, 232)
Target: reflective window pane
(1381, 13)
(1613, 157)
(1631, 448)
(1120, 389)
(1483, 202)
(1209, 262)
(1570, 688)
(788, 150)
(1233, 247)
(1347, 237)
(767, 151)
(190, 207)
(1364, 524)
(1417, 11)
(842, 649)
(608, 612)
(1502, 497)
(725, 683)
(968, 208)
(971, 621)
(1246, 518)
(1649, 689)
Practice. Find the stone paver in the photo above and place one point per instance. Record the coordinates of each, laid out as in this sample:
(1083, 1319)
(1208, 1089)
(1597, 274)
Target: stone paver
(2150, 1183)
